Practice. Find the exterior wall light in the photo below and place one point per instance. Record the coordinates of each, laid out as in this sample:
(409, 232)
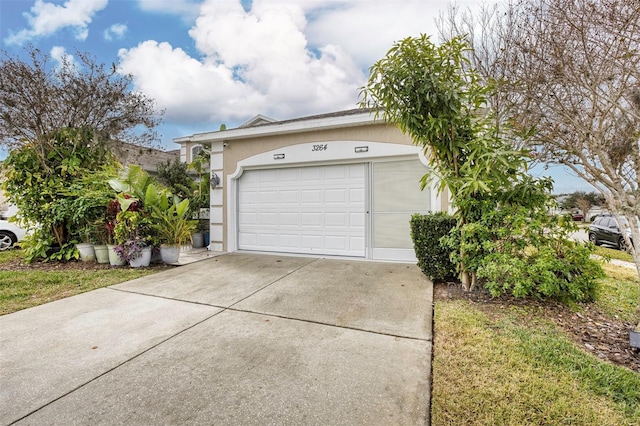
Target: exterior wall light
(214, 181)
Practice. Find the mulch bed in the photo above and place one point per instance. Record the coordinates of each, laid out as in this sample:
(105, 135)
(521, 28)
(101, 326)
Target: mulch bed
(19, 265)
(592, 330)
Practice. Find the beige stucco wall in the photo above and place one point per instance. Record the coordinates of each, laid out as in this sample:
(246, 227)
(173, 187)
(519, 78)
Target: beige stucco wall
(240, 149)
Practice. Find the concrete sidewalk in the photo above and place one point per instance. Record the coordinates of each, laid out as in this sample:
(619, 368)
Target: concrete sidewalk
(236, 339)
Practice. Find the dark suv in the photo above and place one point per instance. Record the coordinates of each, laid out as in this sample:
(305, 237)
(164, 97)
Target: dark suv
(605, 230)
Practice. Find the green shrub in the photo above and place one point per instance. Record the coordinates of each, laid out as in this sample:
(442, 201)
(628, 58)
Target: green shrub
(426, 232)
(561, 269)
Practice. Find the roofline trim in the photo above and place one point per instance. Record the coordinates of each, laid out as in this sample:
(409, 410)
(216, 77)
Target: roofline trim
(297, 126)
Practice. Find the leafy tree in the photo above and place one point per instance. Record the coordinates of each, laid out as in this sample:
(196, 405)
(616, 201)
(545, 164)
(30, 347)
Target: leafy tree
(175, 175)
(60, 195)
(432, 94)
(570, 71)
(39, 98)
(582, 201)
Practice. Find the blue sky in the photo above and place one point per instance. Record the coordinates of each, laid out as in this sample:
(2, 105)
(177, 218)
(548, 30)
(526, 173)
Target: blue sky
(208, 62)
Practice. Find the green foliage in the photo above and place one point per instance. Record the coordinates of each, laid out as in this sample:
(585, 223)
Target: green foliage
(577, 199)
(132, 225)
(562, 271)
(433, 258)
(172, 222)
(175, 175)
(59, 190)
(432, 94)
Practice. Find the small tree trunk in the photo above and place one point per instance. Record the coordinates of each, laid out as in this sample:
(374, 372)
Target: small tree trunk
(474, 279)
(466, 280)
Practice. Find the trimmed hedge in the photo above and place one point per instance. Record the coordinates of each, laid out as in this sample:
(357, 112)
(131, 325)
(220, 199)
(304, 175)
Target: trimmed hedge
(433, 258)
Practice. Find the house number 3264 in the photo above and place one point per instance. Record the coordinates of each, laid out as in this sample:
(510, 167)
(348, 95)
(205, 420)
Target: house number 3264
(320, 147)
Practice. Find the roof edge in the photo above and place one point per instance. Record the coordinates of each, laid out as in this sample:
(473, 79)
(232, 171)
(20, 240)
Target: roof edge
(310, 124)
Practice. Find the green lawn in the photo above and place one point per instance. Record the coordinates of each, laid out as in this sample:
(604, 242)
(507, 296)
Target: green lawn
(512, 366)
(610, 253)
(26, 288)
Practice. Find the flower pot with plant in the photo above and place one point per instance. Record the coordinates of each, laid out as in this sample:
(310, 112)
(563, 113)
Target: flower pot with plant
(132, 235)
(101, 236)
(173, 227)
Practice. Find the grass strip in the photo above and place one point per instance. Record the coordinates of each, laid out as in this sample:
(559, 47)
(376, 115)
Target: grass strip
(502, 370)
(610, 253)
(618, 293)
(25, 289)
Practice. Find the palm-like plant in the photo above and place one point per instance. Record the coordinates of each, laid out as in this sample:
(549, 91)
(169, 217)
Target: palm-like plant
(171, 222)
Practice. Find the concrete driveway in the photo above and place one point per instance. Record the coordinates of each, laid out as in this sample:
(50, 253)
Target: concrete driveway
(238, 339)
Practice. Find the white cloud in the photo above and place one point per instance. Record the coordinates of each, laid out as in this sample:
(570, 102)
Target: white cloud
(115, 32)
(187, 9)
(47, 18)
(190, 90)
(367, 29)
(60, 55)
(252, 62)
(282, 58)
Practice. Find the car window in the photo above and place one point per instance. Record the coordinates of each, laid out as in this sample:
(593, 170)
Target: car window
(598, 221)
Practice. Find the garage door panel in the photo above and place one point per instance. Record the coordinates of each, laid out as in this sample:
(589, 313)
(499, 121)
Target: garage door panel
(289, 220)
(332, 196)
(311, 196)
(336, 242)
(335, 219)
(268, 219)
(356, 195)
(268, 240)
(312, 219)
(288, 197)
(356, 220)
(310, 173)
(315, 210)
(288, 175)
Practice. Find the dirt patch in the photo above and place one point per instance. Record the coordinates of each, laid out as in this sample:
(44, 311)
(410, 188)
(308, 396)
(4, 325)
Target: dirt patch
(592, 330)
(20, 265)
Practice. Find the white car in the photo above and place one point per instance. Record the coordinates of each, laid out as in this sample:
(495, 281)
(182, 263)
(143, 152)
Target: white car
(10, 234)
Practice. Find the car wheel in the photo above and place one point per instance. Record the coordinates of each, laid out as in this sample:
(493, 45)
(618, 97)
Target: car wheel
(7, 240)
(622, 244)
(594, 239)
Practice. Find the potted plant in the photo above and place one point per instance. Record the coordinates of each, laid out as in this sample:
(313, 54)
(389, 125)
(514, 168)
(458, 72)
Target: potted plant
(197, 237)
(113, 208)
(132, 235)
(86, 249)
(173, 227)
(136, 252)
(101, 237)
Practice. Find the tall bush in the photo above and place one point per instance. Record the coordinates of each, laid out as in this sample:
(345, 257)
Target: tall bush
(433, 258)
(59, 190)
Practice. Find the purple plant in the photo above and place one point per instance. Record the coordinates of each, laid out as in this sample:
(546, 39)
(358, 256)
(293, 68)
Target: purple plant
(130, 250)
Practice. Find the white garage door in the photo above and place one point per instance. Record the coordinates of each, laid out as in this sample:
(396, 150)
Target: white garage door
(312, 210)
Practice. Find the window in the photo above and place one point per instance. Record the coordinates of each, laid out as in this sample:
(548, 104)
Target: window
(195, 150)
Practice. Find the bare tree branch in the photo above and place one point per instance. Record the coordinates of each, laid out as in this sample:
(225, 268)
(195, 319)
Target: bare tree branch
(39, 97)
